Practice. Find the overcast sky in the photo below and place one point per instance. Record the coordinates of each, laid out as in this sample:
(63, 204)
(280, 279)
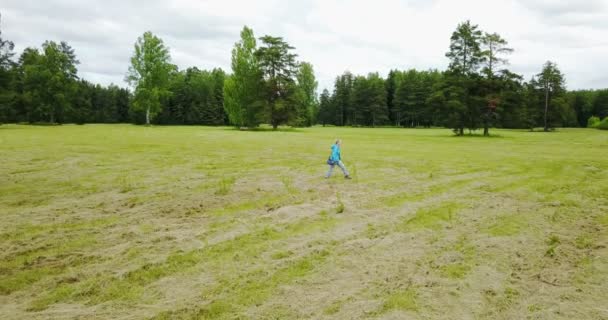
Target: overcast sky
(356, 35)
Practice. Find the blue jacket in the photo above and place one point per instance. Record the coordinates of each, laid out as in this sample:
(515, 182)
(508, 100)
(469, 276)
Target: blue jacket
(335, 153)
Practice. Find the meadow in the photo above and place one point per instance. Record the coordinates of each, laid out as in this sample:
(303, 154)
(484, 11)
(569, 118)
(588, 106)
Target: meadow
(133, 222)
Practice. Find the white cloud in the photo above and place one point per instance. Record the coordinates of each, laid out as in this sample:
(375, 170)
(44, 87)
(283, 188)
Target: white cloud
(335, 35)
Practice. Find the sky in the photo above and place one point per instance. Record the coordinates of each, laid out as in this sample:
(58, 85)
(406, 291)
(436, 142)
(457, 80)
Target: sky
(359, 36)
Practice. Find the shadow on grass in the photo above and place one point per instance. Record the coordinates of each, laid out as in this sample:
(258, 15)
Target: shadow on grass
(541, 131)
(471, 135)
(24, 124)
(9, 127)
(266, 129)
(478, 135)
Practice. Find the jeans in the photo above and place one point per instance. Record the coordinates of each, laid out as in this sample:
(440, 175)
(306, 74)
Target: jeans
(341, 165)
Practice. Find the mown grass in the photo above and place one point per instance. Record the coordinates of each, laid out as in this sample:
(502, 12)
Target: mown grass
(432, 218)
(507, 225)
(460, 268)
(401, 300)
(233, 294)
(130, 286)
(121, 221)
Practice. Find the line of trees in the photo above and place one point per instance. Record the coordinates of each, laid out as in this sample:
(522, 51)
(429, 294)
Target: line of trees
(268, 85)
(476, 91)
(42, 86)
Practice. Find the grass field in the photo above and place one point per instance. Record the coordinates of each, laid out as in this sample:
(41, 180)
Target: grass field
(128, 222)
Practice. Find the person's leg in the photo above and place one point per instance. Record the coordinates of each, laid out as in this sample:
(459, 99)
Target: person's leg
(341, 165)
(331, 168)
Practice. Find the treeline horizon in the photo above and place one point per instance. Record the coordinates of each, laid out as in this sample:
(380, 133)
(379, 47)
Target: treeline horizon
(268, 85)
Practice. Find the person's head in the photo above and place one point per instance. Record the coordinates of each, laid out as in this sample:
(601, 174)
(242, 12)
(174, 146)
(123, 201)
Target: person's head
(338, 141)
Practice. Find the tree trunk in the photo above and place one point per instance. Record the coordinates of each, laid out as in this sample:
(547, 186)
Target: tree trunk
(461, 131)
(491, 62)
(486, 131)
(52, 116)
(546, 107)
(148, 116)
(464, 56)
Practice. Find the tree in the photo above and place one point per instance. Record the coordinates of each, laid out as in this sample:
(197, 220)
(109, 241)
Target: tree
(29, 84)
(6, 51)
(403, 101)
(216, 99)
(149, 74)
(463, 101)
(465, 54)
(489, 116)
(122, 98)
(359, 102)
(530, 114)
(47, 81)
(6, 77)
(326, 110)
(98, 104)
(197, 98)
(278, 65)
(600, 104)
(307, 104)
(430, 82)
(375, 111)
(494, 46)
(411, 104)
(344, 109)
(391, 84)
(582, 103)
(410, 97)
(369, 100)
(453, 108)
(510, 98)
(82, 105)
(61, 75)
(242, 90)
(552, 82)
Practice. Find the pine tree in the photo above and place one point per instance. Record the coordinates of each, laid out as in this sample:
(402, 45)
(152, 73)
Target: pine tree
(551, 82)
(278, 65)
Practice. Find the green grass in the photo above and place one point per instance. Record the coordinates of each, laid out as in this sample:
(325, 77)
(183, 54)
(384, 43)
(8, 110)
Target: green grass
(467, 255)
(340, 206)
(224, 186)
(553, 242)
(239, 292)
(432, 218)
(122, 221)
(507, 225)
(401, 300)
(455, 270)
(333, 308)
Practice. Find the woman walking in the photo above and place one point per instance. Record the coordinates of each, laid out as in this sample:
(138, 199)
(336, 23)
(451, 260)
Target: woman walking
(336, 159)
